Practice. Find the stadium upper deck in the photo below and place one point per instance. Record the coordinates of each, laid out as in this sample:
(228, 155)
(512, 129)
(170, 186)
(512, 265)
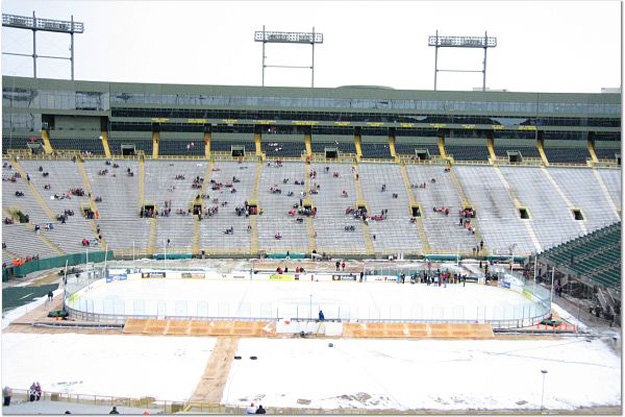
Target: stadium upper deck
(75, 113)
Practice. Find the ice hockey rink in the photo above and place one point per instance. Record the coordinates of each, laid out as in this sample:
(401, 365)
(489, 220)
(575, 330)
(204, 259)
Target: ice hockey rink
(257, 298)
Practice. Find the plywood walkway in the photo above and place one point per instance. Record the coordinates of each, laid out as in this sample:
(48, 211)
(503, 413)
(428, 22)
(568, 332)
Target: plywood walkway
(238, 328)
(210, 389)
(418, 330)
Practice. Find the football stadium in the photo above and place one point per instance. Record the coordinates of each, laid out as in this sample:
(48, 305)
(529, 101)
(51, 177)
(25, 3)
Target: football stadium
(402, 251)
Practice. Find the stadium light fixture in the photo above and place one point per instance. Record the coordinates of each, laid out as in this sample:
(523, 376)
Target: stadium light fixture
(304, 38)
(483, 42)
(35, 24)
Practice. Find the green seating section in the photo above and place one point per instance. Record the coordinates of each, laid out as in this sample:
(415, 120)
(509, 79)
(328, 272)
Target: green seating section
(596, 256)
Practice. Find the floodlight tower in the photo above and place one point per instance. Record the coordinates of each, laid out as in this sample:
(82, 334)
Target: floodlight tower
(461, 42)
(44, 25)
(289, 37)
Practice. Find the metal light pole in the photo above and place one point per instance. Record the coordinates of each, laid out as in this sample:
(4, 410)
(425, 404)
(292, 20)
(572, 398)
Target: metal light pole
(579, 311)
(553, 273)
(133, 254)
(542, 397)
(310, 311)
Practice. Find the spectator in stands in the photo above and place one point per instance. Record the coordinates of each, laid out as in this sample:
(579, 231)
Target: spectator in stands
(322, 317)
(250, 409)
(383, 187)
(114, 411)
(7, 393)
(343, 265)
(32, 392)
(277, 236)
(38, 391)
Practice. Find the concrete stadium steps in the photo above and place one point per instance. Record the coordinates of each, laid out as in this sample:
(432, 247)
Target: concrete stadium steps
(275, 218)
(551, 219)
(212, 238)
(612, 179)
(331, 219)
(160, 179)
(500, 224)
(119, 222)
(21, 240)
(120, 234)
(179, 230)
(120, 193)
(28, 203)
(396, 233)
(583, 190)
(418, 330)
(167, 327)
(63, 175)
(444, 232)
(499, 221)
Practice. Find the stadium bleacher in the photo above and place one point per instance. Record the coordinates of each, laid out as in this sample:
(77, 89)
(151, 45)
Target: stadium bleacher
(607, 153)
(595, 256)
(467, 152)
(408, 149)
(375, 150)
(395, 232)
(85, 145)
(526, 151)
(181, 147)
(551, 221)
(346, 147)
(115, 145)
(221, 146)
(274, 148)
(567, 155)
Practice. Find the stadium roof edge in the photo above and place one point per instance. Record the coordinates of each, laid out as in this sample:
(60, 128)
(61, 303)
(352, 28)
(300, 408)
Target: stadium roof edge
(375, 92)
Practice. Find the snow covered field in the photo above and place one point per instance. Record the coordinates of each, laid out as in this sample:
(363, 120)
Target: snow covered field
(302, 299)
(113, 365)
(375, 374)
(425, 374)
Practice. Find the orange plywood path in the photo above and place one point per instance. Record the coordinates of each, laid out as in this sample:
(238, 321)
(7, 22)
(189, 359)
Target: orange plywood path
(240, 328)
(418, 330)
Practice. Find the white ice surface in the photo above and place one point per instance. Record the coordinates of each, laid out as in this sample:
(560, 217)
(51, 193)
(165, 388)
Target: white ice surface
(424, 374)
(298, 299)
